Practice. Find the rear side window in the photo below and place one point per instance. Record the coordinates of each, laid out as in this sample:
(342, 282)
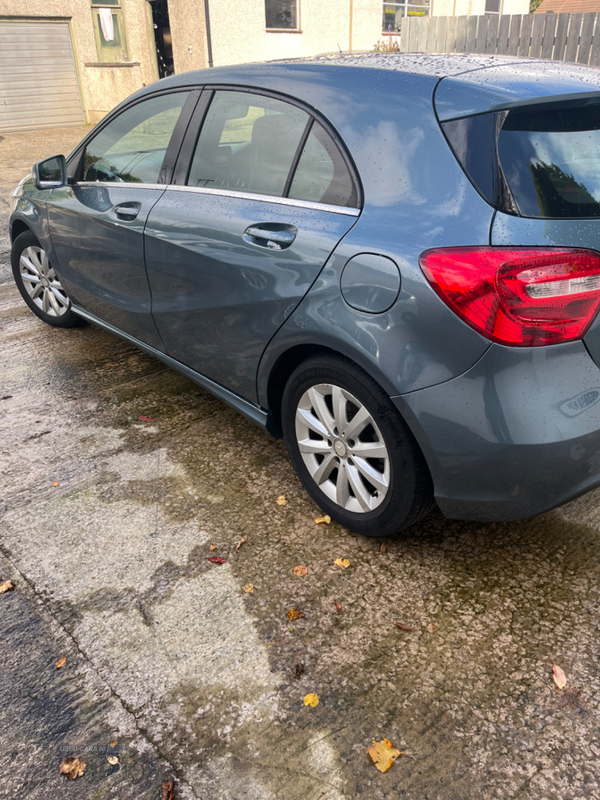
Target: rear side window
(248, 143)
(551, 160)
(322, 175)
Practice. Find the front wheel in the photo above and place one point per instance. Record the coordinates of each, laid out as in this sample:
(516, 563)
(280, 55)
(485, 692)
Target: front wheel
(352, 451)
(39, 285)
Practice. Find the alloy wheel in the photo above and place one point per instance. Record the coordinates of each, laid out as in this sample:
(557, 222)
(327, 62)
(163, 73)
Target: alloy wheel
(342, 448)
(41, 283)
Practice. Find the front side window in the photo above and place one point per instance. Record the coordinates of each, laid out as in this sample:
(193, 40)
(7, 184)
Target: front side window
(551, 160)
(247, 144)
(393, 13)
(281, 14)
(132, 147)
(109, 31)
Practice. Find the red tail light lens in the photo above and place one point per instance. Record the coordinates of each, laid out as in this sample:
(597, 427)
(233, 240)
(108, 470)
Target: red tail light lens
(524, 297)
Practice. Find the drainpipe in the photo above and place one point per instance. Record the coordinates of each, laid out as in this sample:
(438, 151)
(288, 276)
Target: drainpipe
(208, 39)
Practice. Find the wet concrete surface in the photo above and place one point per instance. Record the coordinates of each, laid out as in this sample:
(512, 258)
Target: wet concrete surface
(169, 655)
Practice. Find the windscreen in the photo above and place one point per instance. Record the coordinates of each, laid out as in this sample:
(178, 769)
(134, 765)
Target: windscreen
(551, 160)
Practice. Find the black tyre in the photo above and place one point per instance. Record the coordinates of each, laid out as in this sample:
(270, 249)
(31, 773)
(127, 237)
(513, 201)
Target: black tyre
(39, 284)
(352, 450)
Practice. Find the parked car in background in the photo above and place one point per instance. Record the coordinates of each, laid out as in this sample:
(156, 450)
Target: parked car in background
(393, 261)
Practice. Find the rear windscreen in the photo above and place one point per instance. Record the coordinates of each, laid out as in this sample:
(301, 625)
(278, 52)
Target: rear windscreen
(551, 160)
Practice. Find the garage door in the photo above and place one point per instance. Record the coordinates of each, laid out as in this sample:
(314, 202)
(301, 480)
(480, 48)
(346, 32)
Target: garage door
(38, 81)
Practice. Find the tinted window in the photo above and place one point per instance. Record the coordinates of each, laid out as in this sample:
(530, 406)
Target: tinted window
(132, 147)
(322, 175)
(247, 144)
(551, 160)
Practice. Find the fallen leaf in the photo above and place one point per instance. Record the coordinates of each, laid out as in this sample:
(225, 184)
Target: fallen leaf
(298, 670)
(383, 754)
(112, 760)
(242, 541)
(300, 571)
(248, 588)
(343, 563)
(560, 679)
(432, 628)
(338, 606)
(311, 700)
(168, 790)
(216, 560)
(112, 365)
(54, 483)
(7, 586)
(384, 547)
(147, 419)
(326, 519)
(281, 501)
(403, 627)
(213, 547)
(293, 614)
(7, 396)
(61, 662)
(114, 743)
(72, 767)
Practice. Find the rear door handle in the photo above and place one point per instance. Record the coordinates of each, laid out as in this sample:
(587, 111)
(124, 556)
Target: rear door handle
(126, 211)
(271, 235)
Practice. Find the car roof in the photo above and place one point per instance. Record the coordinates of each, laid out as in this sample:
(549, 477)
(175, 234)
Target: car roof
(464, 83)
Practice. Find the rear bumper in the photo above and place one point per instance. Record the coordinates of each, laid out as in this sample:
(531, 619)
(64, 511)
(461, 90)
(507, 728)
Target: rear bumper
(516, 435)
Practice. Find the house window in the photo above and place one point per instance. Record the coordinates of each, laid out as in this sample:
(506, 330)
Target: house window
(109, 31)
(281, 14)
(393, 13)
(493, 6)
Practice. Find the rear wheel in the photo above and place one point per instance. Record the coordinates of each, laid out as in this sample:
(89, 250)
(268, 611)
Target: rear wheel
(352, 450)
(39, 285)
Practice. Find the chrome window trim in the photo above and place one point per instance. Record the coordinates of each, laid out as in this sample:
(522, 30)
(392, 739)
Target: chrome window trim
(267, 198)
(122, 184)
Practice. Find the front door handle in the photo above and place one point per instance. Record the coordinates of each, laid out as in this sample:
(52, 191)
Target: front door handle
(274, 235)
(126, 211)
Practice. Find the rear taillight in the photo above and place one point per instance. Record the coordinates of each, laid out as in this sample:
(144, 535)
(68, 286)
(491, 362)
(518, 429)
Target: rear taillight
(518, 296)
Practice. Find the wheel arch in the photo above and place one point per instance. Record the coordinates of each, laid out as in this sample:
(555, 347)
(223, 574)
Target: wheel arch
(18, 227)
(278, 371)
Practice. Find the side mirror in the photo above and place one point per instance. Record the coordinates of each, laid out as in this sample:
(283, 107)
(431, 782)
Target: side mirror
(51, 173)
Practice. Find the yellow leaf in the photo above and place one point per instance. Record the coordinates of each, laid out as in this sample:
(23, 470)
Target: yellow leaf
(342, 562)
(300, 571)
(72, 767)
(248, 588)
(61, 662)
(293, 614)
(242, 541)
(114, 743)
(560, 679)
(311, 700)
(326, 519)
(213, 547)
(383, 754)
(281, 501)
(7, 586)
(112, 760)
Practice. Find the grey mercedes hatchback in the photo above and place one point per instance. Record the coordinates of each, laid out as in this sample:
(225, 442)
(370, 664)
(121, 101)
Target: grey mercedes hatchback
(392, 261)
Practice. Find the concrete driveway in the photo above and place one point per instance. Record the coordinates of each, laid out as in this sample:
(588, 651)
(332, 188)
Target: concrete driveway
(107, 525)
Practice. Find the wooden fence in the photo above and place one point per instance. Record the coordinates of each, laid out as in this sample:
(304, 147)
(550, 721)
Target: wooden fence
(561, 37)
